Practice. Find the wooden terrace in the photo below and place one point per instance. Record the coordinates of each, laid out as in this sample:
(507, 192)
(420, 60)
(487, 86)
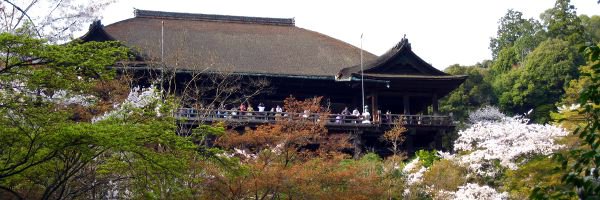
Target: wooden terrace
(337, 121)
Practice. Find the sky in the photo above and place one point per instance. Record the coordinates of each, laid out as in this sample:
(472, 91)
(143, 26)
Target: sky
(442, 33)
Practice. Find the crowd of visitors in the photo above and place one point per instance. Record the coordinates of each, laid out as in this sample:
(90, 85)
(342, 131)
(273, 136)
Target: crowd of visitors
(247, 111)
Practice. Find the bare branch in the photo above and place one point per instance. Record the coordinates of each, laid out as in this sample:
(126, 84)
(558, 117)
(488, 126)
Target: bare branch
(24, 12)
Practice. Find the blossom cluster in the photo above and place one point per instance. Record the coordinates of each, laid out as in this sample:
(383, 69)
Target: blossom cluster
(506, 139)
(137, 98)
(565, 108)
(414, 171)
(491, 138)
(487, 113)
(472, 191)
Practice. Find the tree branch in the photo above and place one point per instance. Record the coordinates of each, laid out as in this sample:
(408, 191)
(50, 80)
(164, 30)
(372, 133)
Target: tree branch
(12, 192)
(26, 15)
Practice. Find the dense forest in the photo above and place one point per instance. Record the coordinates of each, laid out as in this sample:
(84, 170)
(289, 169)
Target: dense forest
(70, 128)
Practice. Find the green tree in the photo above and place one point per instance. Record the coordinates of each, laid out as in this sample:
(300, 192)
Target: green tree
(582, 173)
(592, 28)
(581, 162)
(541, 82)
(562, 22)
(49, 153)
(515, 31)
(475, 92)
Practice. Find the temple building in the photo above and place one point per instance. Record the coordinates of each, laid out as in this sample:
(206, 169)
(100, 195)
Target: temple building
(294, 61)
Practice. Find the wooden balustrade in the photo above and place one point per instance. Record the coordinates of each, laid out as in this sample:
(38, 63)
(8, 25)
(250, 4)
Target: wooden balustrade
(191, 114)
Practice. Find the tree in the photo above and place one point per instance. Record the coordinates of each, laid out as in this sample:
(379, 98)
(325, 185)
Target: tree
(475, 92)
(561, 22)
(514, 31)
(55, 20)
(49, 151)
(581, 163)
(591, 24)
(541, 82)
(395, 137)
(33, 78)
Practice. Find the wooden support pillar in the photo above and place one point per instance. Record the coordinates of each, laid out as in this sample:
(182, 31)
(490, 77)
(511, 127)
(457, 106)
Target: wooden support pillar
(374, 104)
(410, 140)
(357, 143)
(434, 103)
(439, 139)
(406, 104)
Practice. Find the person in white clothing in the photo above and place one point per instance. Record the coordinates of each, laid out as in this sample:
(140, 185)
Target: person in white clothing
(366, 116)
(355, 112)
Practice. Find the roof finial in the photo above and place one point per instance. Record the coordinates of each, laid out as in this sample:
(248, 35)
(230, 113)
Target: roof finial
(404, 36)
(95, 24)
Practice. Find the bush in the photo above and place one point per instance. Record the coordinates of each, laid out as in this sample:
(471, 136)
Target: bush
(427, 157)
(445, 175)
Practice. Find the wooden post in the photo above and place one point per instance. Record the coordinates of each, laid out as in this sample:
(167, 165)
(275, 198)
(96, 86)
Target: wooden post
(375, 106)
(357, 143)
(410, 140)
(434, 103)
(439, 136)
(406, 104)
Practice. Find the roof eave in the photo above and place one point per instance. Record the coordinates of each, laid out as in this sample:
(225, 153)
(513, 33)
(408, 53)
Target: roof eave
(96, 32)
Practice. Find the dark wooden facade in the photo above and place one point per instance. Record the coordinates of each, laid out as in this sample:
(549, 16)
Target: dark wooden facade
(295, 62)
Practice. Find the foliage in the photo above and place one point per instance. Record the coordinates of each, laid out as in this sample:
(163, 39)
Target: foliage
(472, 94)
(427, 158)
(295, 159)
(591, 25)
(562, 23)
(52, 150)
(445, 176)
(582, 162)
(518, 35)
(541, 82)
(395, 136)
(541, 171)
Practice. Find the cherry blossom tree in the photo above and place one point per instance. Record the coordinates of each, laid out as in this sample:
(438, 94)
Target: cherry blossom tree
(55, 20)
(496, 137)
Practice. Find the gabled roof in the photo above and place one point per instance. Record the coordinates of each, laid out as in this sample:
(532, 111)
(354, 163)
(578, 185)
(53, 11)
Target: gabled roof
(231, 43)
(97, 33)
(398, 62)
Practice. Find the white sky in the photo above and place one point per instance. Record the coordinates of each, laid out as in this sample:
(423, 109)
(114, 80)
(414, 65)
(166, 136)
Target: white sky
(441, 32)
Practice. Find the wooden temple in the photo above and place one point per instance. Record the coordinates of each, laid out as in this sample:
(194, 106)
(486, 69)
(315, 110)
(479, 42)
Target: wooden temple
(398, 85)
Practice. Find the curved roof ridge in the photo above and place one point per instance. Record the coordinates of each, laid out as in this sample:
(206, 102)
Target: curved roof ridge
(212, 17)
(96, 32)
(389, 56)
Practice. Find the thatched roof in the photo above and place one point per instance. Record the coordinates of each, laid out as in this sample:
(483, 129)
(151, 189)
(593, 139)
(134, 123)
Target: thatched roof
(232, 43)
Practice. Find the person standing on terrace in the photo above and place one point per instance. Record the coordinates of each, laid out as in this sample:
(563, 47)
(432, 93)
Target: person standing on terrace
(242, 107)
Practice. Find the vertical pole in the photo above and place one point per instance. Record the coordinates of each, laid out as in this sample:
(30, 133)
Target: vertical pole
(362, 77)
(357, 143)
(162, 56)
(374, 105)
(162, 41)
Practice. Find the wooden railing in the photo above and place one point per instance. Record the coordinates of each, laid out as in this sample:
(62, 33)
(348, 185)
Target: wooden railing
(191, 114)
